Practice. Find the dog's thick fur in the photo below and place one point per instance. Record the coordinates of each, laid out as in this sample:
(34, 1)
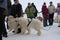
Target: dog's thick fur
(57, 19)
(23, 24)
(12, 23)
(35, 23)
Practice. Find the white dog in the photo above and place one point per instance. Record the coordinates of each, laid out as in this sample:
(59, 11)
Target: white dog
(35, 23)
(57, 19)
(23, 24)
(12, 23)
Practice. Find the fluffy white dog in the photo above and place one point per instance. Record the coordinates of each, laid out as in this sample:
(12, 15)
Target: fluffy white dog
(35, 23)
(23, 24)
(57, 19)
(12, 23)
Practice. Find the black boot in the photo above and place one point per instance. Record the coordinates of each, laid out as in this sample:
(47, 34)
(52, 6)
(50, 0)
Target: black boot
(4, 35)
(59, 26)
(19, 30)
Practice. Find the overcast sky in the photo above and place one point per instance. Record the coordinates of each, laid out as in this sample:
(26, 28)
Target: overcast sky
(38, 3)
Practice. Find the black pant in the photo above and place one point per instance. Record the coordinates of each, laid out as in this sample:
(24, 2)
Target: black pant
(0, 36)
(2, 24)
(0, 32)
(35, 14)
(51, 19)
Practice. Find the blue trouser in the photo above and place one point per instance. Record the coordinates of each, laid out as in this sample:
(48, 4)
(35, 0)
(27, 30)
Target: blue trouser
(9, 12)
(51, 16)
(44, 20)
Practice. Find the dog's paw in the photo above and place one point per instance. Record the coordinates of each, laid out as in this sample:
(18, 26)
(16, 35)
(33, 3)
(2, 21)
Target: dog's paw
(9, 30)
(28, 33)
(21, 33)
(38, 34)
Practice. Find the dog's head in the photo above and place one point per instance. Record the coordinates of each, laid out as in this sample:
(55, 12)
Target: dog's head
(10, 17)
(40, 18)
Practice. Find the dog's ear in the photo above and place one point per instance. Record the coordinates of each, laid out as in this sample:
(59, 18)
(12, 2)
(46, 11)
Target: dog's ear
(11, 16)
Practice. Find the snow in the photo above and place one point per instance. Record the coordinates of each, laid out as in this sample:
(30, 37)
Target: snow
(52, 34)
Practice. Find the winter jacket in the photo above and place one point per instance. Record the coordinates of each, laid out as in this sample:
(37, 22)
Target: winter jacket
(3, 4)
(16, 9)
(30, 11)
(58, 10)
(45, 10)
(36, 11)
(3, 7)
(51, 9)
(8, 4)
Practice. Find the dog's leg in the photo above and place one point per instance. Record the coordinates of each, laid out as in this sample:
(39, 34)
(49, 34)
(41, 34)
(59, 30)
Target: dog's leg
(10, 29)
(22, 31)
(28, 30)
(38, 31)
(16, 30)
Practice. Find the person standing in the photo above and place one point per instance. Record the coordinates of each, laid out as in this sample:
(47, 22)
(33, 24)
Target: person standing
(45, 14)
(58, 14)
(51, 9)
(16, 11)
(8, 11)
(30, 10)
(36, 11)
(9, 6)
(3, 6)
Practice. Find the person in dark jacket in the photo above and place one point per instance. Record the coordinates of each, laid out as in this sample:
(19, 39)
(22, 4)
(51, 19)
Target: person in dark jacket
(9, 6)
(36, 11)
(16, 11)
(3, 6)
(8, 11)
(45, 14)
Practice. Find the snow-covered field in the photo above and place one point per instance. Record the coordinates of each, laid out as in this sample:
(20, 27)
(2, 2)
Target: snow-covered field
(52, 34)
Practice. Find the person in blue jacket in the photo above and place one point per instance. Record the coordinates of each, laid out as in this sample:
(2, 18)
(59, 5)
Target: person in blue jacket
(3, 7)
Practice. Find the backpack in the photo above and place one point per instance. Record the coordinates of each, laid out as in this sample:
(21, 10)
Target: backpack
(1, 1)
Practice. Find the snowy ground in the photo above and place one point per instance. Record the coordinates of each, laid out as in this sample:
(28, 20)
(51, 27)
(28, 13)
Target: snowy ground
(48, 33)
(52, 34)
